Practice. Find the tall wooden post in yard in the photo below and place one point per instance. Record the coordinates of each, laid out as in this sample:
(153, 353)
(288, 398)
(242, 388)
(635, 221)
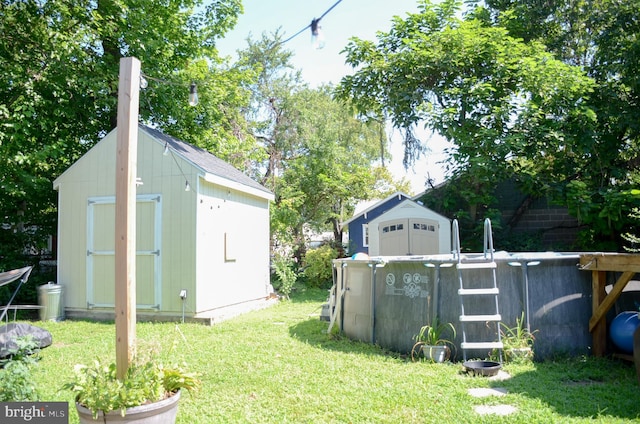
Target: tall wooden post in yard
(125, 229)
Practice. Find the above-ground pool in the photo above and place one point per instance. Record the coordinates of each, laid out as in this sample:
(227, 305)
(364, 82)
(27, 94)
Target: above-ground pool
(386, 300)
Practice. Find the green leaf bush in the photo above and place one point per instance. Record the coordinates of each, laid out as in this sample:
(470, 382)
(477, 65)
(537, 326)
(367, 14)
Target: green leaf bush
(318, 268)
(16, 380)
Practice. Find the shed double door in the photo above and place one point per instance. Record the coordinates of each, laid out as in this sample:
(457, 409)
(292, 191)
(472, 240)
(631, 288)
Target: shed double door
(101, 252)
(408, 236)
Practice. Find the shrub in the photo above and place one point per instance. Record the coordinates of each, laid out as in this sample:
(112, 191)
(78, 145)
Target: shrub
(285, 275)
(16, 381)
(318, 268)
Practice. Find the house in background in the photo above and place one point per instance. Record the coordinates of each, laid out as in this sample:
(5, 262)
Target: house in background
(202, 233)
(398, 226)
(409, 229)
(358, 225)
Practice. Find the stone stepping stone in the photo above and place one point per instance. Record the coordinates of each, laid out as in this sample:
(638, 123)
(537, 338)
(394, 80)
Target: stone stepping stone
(491, 409)
(495, 409)
(485, 392)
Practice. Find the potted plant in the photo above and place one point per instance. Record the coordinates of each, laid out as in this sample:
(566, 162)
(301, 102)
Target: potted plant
(517, 341)
(149, 393)
(430, 342)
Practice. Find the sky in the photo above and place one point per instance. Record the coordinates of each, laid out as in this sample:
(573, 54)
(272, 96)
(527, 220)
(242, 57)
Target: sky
(349, 18)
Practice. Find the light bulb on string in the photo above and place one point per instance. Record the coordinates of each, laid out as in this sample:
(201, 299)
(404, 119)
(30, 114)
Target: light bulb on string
(166, 149)
(193, 94)
(143, 82)
(317, 36)
(187, 187)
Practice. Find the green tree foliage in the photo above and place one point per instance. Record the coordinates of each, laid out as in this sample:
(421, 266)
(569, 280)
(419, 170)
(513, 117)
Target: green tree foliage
(601, 37)
(318, 267)
(59, 64)
(320, 159)
(489, 84)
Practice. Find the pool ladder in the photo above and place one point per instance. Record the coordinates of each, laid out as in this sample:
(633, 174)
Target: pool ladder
(482, 263)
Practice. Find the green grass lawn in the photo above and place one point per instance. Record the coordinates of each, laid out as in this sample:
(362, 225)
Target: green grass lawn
(278, 365)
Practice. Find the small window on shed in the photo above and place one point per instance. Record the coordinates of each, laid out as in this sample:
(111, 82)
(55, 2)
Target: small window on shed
(365, 235)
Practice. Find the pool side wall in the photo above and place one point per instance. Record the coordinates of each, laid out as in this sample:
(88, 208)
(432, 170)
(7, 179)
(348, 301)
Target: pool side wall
(413, 291)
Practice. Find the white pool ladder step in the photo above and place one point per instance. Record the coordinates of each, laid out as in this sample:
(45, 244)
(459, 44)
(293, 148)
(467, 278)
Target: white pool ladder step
(480, 318)
(476, 265)
(480, 264)
(477, 292)
(482, 345)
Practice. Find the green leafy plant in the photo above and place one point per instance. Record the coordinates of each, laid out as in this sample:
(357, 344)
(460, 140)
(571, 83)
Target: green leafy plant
(433, 335)
(517, 342)
(16, 380)
(318, 268)
(97, 387)
(285, 275)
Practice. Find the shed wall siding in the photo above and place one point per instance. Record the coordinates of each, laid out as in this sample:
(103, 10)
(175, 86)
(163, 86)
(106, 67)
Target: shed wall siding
(167, 175)
(233, 247)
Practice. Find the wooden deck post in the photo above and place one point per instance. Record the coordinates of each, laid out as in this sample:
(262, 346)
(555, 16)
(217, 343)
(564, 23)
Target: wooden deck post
(599, 329)
(125, 229)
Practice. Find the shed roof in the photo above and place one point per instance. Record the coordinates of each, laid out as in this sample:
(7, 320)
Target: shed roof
(207, 162)
(371, 207)
(215, 170)
(414, 206)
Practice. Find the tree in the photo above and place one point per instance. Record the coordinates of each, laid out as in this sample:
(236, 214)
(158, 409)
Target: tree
(59, 65)
(320, 159)
(602, 38)
(508, 106)
(334, 169)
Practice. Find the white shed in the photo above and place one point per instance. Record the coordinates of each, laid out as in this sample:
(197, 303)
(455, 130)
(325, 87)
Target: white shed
(409, 229)
(202, 230)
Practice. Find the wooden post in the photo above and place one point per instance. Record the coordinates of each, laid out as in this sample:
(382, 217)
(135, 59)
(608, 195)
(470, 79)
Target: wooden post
(125, 229)
(599, 329)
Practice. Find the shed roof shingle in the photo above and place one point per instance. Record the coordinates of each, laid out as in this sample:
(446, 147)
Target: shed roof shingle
(206, 161)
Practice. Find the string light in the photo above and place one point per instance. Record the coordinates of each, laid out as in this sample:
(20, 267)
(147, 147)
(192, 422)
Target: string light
(193, 94)
(166, 152)
(193, 88)
(317, 36)
(193, 101)
(314, 28)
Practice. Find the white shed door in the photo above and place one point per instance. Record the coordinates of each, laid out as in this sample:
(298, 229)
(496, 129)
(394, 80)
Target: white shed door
(412, 236)
(101, 252)
(423, 236)
(394, 237)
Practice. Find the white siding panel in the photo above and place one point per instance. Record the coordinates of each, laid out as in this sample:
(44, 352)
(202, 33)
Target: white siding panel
(244, 221)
